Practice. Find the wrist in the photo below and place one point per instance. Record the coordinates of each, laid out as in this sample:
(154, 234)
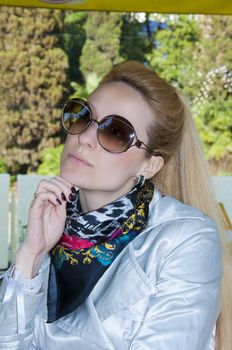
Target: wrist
(27, 262)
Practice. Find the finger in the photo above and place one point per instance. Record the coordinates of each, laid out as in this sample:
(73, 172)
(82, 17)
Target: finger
(42, 197)
(55, 186)
(68, 189)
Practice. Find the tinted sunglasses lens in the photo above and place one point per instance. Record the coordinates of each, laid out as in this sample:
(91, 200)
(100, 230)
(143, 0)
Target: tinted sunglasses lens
(76, 116)
(115, 134)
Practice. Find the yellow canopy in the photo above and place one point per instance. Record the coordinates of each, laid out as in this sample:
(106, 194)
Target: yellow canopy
(162, 6)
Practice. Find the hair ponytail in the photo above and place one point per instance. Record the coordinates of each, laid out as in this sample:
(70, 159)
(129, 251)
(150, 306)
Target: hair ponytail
(191, 184)
(184, 175)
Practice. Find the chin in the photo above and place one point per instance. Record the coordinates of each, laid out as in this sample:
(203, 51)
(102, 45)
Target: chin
(77, 180)
(70, 177)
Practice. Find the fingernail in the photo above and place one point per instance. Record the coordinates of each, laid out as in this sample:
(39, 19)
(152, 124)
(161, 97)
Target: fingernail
(63, 196)
(57, 199)
(73, 190)
(72, 196)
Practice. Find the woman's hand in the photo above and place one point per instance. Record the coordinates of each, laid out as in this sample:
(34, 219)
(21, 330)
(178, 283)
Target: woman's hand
(46, 222)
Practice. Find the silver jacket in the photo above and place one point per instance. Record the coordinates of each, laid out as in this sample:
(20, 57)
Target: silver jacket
(162, 292)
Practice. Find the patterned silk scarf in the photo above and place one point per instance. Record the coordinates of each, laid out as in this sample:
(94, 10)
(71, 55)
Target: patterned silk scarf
(90, 243)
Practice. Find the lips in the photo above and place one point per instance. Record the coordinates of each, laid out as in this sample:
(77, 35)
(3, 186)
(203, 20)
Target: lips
(78, 159)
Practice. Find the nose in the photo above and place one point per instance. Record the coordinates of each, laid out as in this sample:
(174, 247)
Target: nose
(89, 136)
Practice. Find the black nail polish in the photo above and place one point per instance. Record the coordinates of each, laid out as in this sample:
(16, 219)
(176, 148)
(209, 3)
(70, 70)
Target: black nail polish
(71, 197)
(63, 196)
(57, 199)
(73, 190)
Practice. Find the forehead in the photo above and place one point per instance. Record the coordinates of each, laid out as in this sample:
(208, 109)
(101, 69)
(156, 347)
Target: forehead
(121, 99)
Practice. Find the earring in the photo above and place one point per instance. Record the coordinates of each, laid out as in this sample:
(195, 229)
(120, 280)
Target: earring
(135, 180)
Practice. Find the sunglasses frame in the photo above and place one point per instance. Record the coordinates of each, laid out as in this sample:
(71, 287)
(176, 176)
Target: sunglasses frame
(135, 141)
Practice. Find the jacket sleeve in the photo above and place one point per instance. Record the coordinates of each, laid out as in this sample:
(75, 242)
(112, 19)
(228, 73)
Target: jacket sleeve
(183, 312)
(21, 299)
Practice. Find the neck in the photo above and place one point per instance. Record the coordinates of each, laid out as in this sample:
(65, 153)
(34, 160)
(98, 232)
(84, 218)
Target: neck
(91, 200)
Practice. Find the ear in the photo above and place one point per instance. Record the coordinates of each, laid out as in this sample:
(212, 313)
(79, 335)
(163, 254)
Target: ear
(152, 166)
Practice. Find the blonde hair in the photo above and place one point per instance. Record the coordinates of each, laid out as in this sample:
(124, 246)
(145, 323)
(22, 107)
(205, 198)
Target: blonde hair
(174, 137)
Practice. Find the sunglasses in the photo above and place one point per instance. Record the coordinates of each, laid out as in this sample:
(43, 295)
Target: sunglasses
(115, 134)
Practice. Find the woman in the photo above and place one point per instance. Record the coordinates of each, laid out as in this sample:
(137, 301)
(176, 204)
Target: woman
(129, 266)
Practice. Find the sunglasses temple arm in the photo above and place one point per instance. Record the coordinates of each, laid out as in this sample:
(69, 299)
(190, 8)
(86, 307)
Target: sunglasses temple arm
(141, 145)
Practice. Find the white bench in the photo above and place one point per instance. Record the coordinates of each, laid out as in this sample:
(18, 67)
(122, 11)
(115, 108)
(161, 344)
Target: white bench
(14, 209)
(4, 219)
(13, 213)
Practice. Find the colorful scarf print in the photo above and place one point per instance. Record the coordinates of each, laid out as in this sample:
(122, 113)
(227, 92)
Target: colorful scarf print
(90, 243)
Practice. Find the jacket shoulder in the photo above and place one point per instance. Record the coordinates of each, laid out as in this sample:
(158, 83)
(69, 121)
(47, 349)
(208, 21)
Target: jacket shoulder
(180, 239)
(166, 210)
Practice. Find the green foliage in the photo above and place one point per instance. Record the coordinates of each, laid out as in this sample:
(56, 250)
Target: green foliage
(50, 161)
(86, 89)
(73, 41)
(214, 122)
(175, 51)
(134, 43)
(215, 42)
(33, 85)
(185, 54)
(215, 118)
(102, 45)
(3, 167)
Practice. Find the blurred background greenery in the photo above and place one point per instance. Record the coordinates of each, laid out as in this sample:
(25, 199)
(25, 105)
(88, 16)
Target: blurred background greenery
(47, 56)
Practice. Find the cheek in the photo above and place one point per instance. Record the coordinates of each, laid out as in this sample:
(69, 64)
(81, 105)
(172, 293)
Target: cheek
(65, 152)
(120, 167)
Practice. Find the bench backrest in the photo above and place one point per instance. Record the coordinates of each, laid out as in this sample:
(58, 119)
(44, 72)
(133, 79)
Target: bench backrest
(4, 219)
(14, 209)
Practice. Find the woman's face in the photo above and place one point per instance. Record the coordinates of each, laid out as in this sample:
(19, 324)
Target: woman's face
(87, 165)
